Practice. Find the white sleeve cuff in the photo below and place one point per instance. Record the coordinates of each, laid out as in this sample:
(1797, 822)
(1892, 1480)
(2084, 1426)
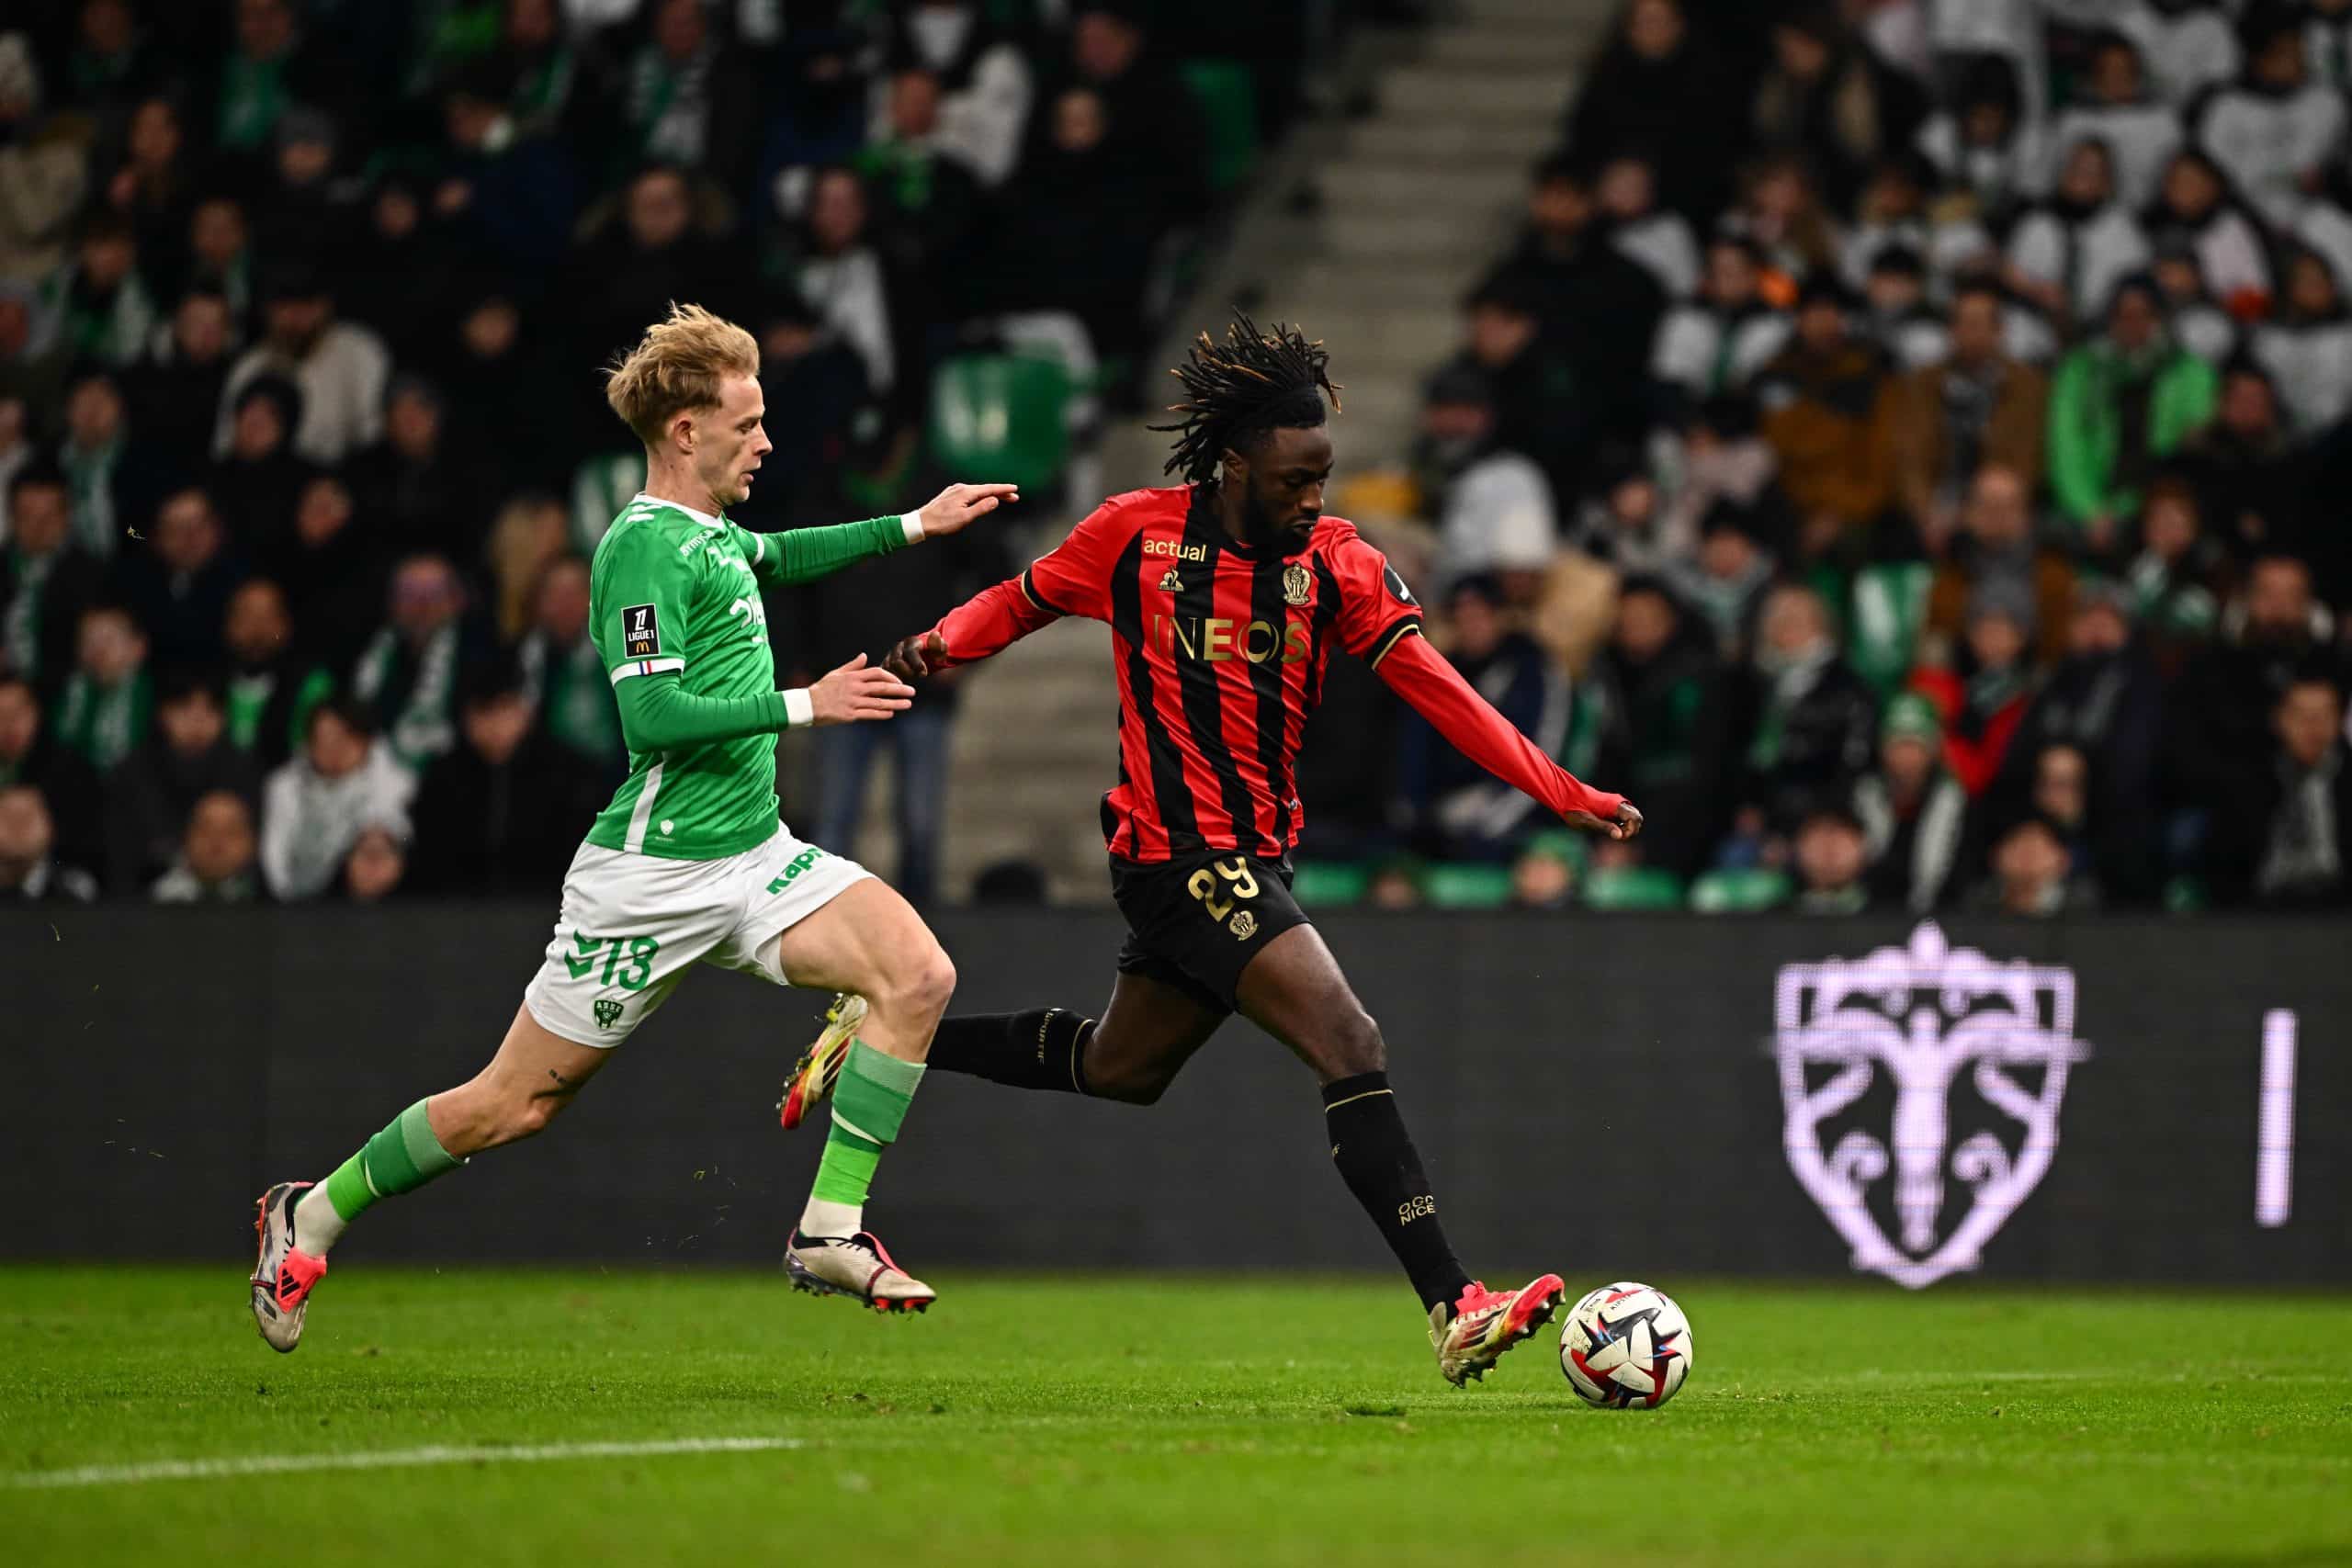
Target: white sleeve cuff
(646, 666)
(799, 708)
(912, 523)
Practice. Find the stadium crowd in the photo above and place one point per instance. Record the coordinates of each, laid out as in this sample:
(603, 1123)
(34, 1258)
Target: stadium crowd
(300, 443)
(1906, 452)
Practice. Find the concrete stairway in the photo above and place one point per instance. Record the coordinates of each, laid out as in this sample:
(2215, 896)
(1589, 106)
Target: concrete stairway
(1416, 200)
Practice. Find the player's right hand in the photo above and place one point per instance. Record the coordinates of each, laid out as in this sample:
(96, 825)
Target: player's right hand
(854, 692)
(912, 658)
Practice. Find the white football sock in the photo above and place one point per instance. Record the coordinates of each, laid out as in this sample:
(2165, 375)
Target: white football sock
(316, 1225)
(823, 1218)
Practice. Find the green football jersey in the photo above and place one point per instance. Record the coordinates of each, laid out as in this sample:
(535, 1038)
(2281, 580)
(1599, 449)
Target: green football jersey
(673, 590)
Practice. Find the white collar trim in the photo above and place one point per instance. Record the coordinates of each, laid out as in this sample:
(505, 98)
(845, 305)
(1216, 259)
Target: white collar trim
(704, 518)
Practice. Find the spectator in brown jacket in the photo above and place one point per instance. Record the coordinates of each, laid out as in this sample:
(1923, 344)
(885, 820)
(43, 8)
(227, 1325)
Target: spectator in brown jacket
(1996, 546)
(1978, 409)
(1829, 412)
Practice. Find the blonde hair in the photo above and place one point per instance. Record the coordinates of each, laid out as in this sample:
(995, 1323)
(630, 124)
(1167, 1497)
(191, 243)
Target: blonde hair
(677, 366)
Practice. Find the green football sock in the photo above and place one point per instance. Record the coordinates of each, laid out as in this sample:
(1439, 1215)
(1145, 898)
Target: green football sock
(870, 1103)
(401, 1159)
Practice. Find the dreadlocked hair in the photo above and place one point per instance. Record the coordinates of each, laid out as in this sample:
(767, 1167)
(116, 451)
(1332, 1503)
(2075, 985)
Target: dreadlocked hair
(1236, 392)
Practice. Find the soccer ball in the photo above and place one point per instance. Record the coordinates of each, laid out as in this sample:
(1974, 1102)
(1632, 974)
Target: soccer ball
(1625, 1345)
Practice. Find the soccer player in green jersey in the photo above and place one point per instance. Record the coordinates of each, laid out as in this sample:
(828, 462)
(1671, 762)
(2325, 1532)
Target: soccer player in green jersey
(689, 862)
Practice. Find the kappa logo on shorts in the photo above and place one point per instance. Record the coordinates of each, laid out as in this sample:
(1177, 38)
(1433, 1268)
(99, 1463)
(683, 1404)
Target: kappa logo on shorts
(608, 1013)
(795, 866)
(641, 632)
(1244, 925)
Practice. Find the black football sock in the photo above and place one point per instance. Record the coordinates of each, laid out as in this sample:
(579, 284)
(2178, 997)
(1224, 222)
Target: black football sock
(1378, 1162)
(1045, 1048)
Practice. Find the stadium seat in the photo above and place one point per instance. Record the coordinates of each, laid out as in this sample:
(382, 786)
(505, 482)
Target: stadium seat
(1001, 417)
(1739, 892)
(1883, 621)
(1325, 884)
(1632, 888)
(1453, 885)
(1227, 94)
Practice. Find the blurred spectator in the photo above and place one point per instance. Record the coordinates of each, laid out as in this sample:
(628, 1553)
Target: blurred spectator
(1072, 229)
(1979, 409)
(2284, 842)
(32, 755)
(1914, 813)
(558, 78)
(1829, 412)
(527, 538)
(1655, 239)
(1154, 125)
(1981, 696)
(266, 53)
(501, 812)
(2251, 482)
(1724, 458)
(1544, 875)
(2218, 714)
(1665, 723)
(1544, 407)
(985, 84)
(423, 486)
(258, 482)
(2193, 208)
(1809, 719)
(1625, 520)
(2123, 401)
(511, 196)
(104, 709)
(155, 188)
(101, 301)
(1458, 811)
(174, 395)
(1492, 506)
(2103, 704)
(220, 259)
(1986, 146)
(407, 674)
(626, 274)
(44, 167)
(926, 198)
(2274, 131)
(1831, 855)
(842, 276)
(2171, 576)
(1724, 583)
(342, 782)
(2327, 42)
(1600, 309)
(397, 273)
(334, 570)
(109, 493)
(151, 794)
(2031, 874)
(376, 866)
(2307, 348)
(271, 688)
(1996, 546)
(564, 677)
(2139, 131)
(1719, 340)
(686, 97)
(2192, 315)
(29, 869)
(1781, 212)
(1823, 95)
(308, 208)
(340, 368)
(1896, 314)
(178, 584)
(2067, 253)
(815, 391)
(1893, 213)
(1348, 765)
(2189, 45)
(492, 387)
(1658, 84)
(45, 580)
(217, 861)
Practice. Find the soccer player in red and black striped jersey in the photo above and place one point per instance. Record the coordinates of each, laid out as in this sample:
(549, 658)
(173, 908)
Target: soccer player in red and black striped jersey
(1227, 596)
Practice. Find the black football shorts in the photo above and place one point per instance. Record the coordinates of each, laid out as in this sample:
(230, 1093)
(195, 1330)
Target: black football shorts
(1195, 923)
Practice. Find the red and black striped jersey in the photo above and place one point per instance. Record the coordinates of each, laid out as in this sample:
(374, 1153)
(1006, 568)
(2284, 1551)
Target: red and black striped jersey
(1220, 652)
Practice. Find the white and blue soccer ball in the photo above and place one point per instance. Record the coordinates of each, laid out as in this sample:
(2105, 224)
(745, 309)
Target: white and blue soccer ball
(1625, 1347)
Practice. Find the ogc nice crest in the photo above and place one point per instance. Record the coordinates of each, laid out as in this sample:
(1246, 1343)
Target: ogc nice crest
(1921, 1086)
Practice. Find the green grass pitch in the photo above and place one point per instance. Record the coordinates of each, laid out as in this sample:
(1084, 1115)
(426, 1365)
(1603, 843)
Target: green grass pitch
(1142, 1421)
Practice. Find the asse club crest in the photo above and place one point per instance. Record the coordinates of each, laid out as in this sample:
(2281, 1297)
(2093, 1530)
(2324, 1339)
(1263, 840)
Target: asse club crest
(1929, 1037)
(608, 1013)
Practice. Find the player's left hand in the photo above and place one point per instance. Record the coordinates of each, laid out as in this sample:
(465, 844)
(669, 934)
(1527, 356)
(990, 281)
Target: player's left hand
(1624, 825)
(959, 505)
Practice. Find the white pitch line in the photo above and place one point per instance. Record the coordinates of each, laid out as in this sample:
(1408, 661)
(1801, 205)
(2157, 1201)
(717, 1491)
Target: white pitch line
(381, 1459)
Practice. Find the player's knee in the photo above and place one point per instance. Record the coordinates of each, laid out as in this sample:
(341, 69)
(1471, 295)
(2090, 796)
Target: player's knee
(1133, 1086)
(919, 987)
(1356, 1046)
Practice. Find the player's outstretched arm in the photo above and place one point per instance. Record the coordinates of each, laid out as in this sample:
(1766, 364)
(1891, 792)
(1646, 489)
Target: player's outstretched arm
(804, 555)
(658, 713)
(1421, 675)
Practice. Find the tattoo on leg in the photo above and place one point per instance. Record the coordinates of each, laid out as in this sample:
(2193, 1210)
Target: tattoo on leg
(564, 1087)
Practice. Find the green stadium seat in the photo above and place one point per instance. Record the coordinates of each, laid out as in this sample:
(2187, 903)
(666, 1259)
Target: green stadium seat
(1739, 892)
(1327, 884)
(1882, 620)
(1227, 94)
(1632, 888)
(1001, 416)
(1466, 886)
